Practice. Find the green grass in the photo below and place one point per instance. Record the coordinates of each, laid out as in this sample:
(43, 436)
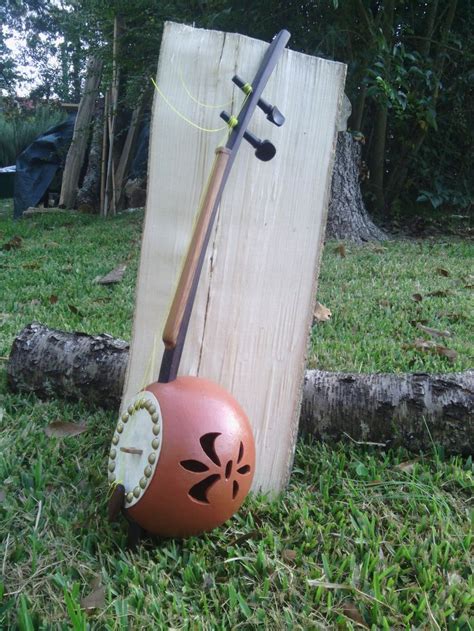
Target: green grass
(370, 293)
(361, 539)
(61, 255)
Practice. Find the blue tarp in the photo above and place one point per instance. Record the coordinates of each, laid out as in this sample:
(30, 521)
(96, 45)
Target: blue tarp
(36, 166)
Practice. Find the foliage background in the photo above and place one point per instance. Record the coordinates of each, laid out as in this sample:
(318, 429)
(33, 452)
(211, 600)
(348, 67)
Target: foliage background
(410, 73)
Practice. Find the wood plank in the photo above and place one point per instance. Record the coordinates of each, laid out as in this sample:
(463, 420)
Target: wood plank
(110, 201)
(253, 310)
(77, 150)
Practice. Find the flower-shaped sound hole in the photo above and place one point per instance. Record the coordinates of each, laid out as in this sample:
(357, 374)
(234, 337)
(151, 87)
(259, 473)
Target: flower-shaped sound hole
(227, 470)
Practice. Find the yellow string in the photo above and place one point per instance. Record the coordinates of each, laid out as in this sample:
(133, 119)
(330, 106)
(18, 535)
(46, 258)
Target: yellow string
(112, 487)
(193, 98)
(185, 118)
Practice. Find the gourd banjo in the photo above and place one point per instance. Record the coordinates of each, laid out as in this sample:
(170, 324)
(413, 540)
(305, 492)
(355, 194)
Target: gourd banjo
(182, 457)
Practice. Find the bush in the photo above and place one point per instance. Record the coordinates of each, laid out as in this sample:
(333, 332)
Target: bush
(20, 127)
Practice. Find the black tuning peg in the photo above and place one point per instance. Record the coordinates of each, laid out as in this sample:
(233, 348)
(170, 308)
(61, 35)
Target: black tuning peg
(264, 149)
(273, 113)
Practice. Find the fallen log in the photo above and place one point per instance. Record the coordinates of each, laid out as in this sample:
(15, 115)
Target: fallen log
(416, 411)
(74, 366)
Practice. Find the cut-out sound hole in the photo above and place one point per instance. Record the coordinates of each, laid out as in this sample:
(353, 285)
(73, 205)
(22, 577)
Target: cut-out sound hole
(208, 444)
(200, 490)
(194, 465)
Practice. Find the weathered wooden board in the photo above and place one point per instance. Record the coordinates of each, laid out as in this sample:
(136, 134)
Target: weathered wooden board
(252, 316)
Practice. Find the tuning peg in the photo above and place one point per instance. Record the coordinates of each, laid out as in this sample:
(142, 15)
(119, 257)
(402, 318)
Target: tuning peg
(273, 113)
(264, 149)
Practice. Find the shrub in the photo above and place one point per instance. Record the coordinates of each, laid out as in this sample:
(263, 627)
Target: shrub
(19, 127)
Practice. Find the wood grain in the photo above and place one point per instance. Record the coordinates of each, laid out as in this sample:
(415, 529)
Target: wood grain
(252, 316)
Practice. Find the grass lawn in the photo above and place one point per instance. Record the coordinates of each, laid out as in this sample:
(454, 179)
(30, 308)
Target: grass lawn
(363, 538)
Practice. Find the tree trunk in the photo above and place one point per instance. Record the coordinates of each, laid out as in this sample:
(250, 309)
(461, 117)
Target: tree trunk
(413, 410)
(358, 113)
(347, 216)
(130, 141)
(377, 156)
(77, 150)
(110, 202)
(103, 163)
(88, 197)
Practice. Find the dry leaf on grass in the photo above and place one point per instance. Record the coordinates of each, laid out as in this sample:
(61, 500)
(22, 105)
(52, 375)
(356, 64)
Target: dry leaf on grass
(407, 466)
(115, 276)
(341, 250)
(14, 243)
(378, 249)
(442, 272)
(417, 297)
(342, 586)
(94, 600)
(207, 582)
(252, 534)
(53, 299)
(321, 313)
(289, 555)
(350, 611)
(76, 311)
(61, 429)
(430, 346)
(453, 317)
(439, 293)
(433, 332)
(385, 303)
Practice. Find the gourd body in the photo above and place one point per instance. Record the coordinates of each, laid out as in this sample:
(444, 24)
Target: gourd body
(206, 463)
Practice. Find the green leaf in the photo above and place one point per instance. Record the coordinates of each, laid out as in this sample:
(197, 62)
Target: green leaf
(362, 470)
(243, 606)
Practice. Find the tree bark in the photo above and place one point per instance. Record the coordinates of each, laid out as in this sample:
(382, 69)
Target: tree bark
(411, 410)
(88, 197)
(347, 216)
(414, 411)
(110, 202)
(125, 156)
(77, 150)
(75, 366)
(377, 156)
